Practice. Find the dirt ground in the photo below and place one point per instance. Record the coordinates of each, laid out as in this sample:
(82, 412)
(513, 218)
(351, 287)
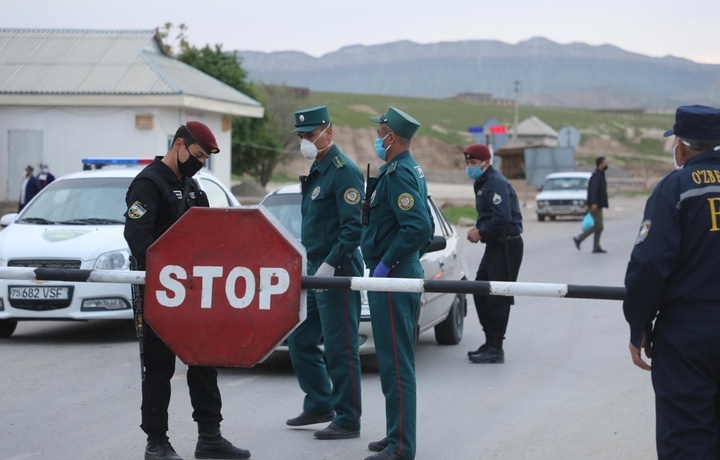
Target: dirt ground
(444, 164)
(441, 162)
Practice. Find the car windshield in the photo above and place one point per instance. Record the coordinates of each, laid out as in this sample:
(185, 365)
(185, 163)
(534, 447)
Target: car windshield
(566, 183)
(96, 201)
(286, 208)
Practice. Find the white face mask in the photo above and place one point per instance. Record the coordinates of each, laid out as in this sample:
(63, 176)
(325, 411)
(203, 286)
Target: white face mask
(309, 150)
(677, 166)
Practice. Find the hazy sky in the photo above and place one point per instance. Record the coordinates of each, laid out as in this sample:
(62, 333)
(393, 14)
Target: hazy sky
(688, 29)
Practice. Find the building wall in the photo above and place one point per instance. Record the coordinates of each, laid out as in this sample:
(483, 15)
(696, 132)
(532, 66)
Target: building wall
(70, 134)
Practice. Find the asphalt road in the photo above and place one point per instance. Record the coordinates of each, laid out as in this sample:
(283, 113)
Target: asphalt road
(567, 390)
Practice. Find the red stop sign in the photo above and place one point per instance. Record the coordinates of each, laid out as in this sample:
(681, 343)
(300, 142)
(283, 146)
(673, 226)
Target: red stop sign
(223, 286)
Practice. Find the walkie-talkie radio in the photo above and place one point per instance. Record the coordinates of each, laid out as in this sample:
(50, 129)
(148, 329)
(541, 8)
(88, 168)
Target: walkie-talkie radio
(370, 183)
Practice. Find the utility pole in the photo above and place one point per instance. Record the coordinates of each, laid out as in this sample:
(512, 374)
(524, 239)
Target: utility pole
(517, 97)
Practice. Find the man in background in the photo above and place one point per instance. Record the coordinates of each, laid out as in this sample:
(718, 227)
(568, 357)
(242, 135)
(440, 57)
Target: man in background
(597, 199)
(29, 188)
(45, 177)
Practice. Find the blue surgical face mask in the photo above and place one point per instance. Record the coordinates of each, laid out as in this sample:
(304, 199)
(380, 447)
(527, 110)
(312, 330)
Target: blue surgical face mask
(381, 151)
(473, 172)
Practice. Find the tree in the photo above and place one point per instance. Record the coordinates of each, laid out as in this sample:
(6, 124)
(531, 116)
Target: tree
(255, 145)
(179, 42)
(281, 102)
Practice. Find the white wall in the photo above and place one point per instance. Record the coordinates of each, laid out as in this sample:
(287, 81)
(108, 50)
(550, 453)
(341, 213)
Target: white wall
(73, 133)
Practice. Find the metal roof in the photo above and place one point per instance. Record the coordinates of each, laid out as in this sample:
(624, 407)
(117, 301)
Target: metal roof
(533, 126)
(102, 62)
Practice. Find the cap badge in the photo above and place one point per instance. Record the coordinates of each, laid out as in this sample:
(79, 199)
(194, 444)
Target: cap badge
(301, 118)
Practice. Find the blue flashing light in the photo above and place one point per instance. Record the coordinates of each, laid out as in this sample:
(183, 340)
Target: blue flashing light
(116, 161)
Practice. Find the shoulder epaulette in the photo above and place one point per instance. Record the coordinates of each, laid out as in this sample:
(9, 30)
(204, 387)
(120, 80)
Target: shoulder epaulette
(338, 162)
(392, 167)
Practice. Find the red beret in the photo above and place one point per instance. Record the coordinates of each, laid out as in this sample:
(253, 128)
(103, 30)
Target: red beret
(477, 151)
(203, 136)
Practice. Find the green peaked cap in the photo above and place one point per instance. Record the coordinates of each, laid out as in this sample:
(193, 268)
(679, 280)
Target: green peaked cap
(400, 122)
(307, 120)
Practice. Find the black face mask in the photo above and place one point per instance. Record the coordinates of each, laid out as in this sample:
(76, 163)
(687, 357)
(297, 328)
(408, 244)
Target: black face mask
(191, 166)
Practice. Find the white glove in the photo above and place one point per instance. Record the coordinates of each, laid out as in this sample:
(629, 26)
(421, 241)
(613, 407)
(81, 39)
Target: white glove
(325, 270)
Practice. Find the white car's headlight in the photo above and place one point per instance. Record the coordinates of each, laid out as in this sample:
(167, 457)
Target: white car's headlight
(116, 260)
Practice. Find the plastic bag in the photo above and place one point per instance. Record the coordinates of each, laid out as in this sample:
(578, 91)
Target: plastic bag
(587, 222)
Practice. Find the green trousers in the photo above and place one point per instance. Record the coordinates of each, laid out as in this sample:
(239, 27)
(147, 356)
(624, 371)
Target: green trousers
(331, 382)
(394, 316)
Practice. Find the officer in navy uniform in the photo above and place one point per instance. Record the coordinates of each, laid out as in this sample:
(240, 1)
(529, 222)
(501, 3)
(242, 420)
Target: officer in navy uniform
(672, 279)
(499, 226)
(399, 229)
(331, 197)
(157, 197)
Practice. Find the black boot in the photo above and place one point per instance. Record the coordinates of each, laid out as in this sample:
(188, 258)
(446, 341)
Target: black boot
(482, 348)
(159, 448)
(211, 444)
(489, 355)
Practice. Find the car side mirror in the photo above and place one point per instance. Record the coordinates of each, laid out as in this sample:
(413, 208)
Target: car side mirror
(438, 244)
(540, 188)
(8, 219)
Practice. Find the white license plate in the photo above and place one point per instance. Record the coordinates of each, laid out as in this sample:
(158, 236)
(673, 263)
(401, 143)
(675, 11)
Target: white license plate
(39, 293)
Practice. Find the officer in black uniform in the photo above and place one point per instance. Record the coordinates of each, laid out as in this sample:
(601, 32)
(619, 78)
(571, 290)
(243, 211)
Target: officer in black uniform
(499, 226)
(156, 199)
(672, 279)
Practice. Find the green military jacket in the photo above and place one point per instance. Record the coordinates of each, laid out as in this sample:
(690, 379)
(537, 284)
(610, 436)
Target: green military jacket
(400, 227)
(331, 199)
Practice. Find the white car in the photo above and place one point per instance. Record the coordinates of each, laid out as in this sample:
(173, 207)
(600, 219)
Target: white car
(563, 194)
(76, 222)
(442, 311)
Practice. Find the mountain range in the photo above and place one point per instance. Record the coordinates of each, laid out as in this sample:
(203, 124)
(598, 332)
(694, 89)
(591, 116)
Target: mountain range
(574, 75)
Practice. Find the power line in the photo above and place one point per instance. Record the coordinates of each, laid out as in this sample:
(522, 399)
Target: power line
(263, 147)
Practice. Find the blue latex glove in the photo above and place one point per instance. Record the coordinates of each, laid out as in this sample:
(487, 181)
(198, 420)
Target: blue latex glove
(381, 271)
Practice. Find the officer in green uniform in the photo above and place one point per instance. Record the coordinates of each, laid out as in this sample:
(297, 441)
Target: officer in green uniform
(398, 230)
(331, 197)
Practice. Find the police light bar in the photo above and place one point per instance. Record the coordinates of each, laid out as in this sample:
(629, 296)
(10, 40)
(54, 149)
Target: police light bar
(117, 161)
